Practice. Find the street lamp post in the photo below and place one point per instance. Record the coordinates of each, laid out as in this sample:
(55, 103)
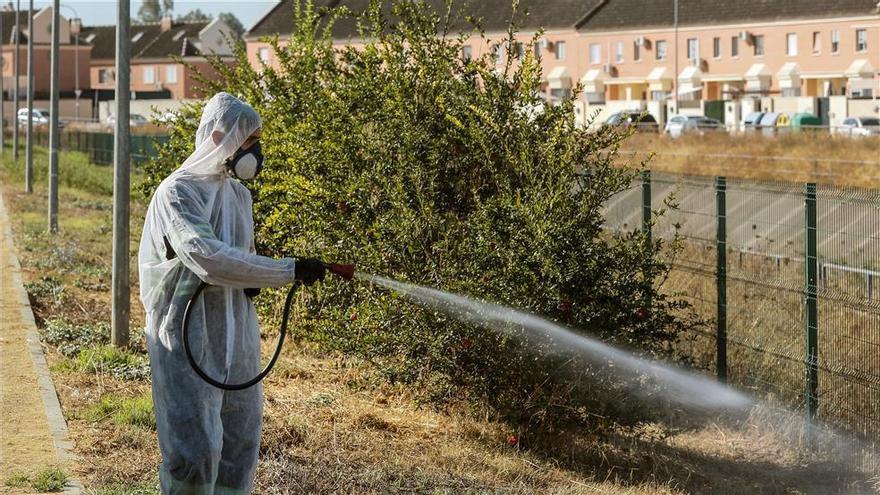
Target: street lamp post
(29, 151)
(15, 63)
(75, 30)
(675, 76)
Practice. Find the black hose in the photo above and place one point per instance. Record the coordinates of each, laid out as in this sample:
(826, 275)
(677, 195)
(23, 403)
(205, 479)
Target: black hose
(253, 381)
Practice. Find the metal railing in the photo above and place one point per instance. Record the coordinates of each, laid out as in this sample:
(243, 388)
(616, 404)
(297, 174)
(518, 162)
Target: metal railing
(99, 145)
(786, 274)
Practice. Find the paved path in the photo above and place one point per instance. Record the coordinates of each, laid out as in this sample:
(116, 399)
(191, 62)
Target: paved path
(33, 433)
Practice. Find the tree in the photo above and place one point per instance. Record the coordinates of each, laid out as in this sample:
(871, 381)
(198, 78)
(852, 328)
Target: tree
(233, 23)
(194, 16)
(154, 10)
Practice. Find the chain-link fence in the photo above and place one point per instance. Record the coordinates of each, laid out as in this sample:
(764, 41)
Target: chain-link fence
(788, 276)
(99, 145)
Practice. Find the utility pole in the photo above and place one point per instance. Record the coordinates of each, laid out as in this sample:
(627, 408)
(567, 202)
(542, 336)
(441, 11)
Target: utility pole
(53, 121)
(675, 76)
(29, 152)
(121, 180)
(16, 62)
(2, 95)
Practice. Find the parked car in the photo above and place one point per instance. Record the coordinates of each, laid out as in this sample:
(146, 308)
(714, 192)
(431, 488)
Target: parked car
(860, 126)
(752, 120)
(39, 117)
(134, 120)
(643, 121)
(681, 124)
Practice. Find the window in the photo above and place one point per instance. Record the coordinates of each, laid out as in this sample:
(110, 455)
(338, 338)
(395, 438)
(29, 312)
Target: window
(637, 50)
(817, 42)
(467, 53)
(149, 75)
(106, 76)
(520, 50)
(560, 50)
(660, 51)
(759, 45)
(791, 44)
(734, 46)
(595, 53)
(171, 74)
(861, 40)
(618, 49)
(835, 41)
(791, 91)
(496, 51)
(659, 95)
(693, 49)
(594, 96)
(264, 54)
(716, 47)
(536, 49)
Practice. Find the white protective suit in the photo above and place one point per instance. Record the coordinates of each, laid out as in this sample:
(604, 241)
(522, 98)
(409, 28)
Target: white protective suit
(209, 438)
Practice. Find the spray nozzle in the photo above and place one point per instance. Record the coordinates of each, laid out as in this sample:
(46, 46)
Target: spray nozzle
(344, 271)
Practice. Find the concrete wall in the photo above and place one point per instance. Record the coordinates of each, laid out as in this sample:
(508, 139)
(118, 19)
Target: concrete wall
(863, 108)
(143, 107)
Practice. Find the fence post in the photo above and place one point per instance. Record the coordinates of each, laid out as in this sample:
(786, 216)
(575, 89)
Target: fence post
(721, 276)
(646, 203)
(811, 310)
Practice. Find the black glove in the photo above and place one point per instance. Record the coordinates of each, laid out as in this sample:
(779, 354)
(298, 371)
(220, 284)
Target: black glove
(309, 270)
(252, 293)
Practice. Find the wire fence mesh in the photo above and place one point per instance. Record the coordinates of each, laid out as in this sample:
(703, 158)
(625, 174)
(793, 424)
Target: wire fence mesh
(766, 286)
(99, 145)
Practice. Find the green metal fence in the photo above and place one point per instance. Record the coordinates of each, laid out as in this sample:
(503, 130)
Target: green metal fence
(787, 275)
(99, 145)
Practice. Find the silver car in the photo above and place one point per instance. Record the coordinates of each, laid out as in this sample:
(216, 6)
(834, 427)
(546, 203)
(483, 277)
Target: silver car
(860, 126)
(681, 124)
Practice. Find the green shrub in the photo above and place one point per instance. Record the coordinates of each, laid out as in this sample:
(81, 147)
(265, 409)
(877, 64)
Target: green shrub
(52, 479)
(108, 360)
(47, 480)
(71, 339)
(74, 171)
(125, 411)
(17, 480)
(415, 164)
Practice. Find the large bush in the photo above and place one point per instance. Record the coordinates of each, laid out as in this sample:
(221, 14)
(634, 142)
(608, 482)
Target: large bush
(413, 163)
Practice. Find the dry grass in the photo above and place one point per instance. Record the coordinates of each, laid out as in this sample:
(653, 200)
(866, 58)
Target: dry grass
(331, 426)
(799, 157)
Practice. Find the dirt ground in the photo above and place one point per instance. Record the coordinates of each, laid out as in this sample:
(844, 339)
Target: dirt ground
(332, 426)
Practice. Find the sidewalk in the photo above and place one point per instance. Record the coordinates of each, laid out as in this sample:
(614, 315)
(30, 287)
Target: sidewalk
(34, 433)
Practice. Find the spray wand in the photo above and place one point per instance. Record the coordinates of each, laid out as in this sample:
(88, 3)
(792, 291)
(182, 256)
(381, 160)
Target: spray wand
(346, 272)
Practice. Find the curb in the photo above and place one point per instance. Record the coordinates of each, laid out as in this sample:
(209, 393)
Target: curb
(51, 405)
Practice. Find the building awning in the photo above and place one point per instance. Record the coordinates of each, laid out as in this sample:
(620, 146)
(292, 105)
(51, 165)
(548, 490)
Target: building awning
(723, 78)
(823, 75)
(686, 90)
(757, 78)
(559, 78)
(789, 76)
(593, 81)
(860, 69)
(689, 80)
(659, 80)
(611, 81)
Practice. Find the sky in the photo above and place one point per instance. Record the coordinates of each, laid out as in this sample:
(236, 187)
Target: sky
(103, 12)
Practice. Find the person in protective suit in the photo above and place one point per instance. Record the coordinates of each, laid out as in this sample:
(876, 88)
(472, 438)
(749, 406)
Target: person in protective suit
(199, 227)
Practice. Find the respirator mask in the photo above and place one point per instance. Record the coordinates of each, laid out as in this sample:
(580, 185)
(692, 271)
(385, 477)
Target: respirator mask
(246, 164)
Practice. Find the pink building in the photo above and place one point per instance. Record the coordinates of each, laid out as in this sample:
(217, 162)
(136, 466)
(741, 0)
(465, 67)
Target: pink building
(721, 58)
(152, 47)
